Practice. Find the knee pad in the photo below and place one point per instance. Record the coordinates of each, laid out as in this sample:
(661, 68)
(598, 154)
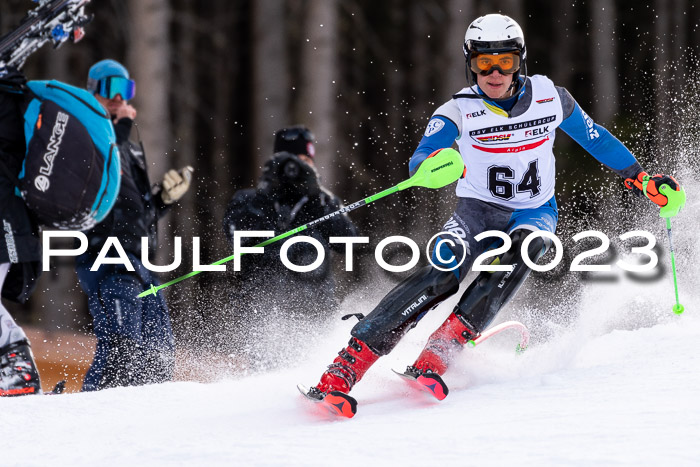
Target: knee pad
(403, 307)
(491, 291)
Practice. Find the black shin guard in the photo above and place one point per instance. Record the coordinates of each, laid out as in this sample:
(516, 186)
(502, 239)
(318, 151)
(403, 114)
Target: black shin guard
(403, 307)
(490, 291)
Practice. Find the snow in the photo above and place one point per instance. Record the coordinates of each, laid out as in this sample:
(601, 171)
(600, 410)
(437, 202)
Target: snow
(616, 384)
(616, 387)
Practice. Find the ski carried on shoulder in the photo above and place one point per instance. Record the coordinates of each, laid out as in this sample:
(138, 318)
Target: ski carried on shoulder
(338, 403)
(433, 383)
(54, 21)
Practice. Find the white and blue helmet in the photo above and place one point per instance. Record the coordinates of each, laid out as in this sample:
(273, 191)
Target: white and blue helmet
(494, 33)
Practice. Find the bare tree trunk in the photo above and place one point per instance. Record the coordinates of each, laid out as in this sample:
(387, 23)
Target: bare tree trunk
(320, 76)
(459, 14)
(605, 74)
(421, 58)
(148, 61)
(270, 83)
(396, 82)
(679, 70)
(352, 106)
(694, 32)
(512, 8)
(149, 65)
(661, 84)
(220, 157)
(680, 43)
(563, 44)
(57, 64)
(187, 104)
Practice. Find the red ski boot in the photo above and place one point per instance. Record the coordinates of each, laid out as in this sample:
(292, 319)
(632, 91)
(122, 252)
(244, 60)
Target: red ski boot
(432, 363)
(346, 370)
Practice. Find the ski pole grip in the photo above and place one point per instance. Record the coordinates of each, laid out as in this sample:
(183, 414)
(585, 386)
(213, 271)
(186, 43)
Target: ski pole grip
(676, 201)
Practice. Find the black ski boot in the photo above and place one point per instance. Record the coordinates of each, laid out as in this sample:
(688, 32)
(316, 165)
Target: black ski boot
(18, 373)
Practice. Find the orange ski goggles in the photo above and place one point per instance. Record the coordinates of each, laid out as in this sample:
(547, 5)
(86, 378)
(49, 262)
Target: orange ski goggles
(505, 62)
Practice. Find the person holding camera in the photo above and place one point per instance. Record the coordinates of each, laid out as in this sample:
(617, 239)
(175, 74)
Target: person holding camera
(289, 194)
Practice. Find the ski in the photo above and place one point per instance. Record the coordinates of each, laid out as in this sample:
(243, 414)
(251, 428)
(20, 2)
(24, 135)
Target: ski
(489, 333)
(337, 403)
(53, 21)
(429, 382)
(434, 384)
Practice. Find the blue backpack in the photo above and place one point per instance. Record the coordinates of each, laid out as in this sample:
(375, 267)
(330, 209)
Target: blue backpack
(71, 172)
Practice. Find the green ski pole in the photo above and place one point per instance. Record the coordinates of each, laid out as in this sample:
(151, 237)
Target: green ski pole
(677, 308)
(676, 200)
(435, 172)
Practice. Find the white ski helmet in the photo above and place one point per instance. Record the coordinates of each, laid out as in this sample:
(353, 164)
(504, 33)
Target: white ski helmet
(492, 34)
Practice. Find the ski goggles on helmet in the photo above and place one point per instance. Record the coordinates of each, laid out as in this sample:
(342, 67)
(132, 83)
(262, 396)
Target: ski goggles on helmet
(112, 86)
(505, 62)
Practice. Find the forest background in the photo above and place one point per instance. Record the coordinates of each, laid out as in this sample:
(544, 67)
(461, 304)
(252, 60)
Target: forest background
(216, 78)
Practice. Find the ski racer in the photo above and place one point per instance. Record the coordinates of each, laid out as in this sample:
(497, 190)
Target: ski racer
(135, 342)
(20, 247)
(288, 195)
(504, 124)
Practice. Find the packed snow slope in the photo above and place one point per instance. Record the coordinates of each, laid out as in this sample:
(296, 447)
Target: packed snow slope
(612, 377)
(620, 386)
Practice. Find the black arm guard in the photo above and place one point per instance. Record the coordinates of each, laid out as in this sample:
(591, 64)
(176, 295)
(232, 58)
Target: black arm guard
(403, 307)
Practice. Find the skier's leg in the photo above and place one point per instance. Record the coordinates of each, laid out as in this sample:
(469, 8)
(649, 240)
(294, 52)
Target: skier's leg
(117, 314)
(381, 330)
(18, 372)
(135, 340)
(480, 303)
(158, 341)
(400, 310)
(90, 283)
(403, 307)
(93, 377)
(489, 292)
(10, 332)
